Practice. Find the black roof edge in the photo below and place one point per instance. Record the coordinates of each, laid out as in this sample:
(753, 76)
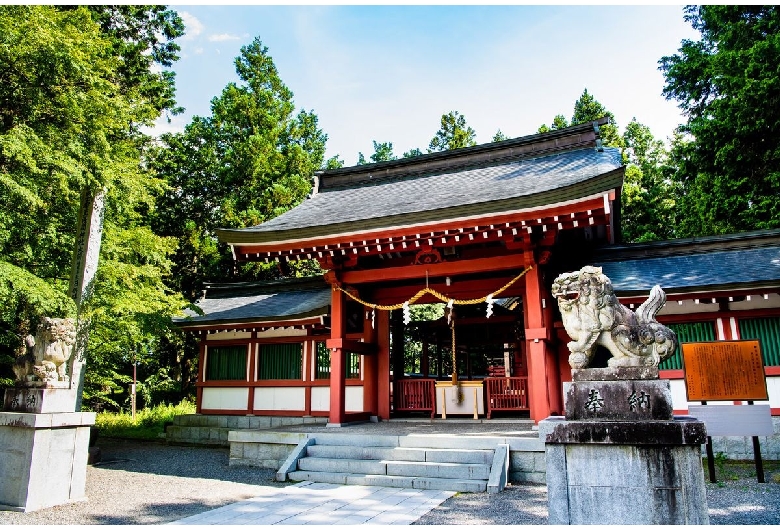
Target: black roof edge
(229, 290)
(734, 241)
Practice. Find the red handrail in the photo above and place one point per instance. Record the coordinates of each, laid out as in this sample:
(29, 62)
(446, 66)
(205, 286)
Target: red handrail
(416, 395)
(506, 393)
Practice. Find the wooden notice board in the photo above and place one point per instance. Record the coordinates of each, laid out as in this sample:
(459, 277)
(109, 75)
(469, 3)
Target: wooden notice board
(724, 371)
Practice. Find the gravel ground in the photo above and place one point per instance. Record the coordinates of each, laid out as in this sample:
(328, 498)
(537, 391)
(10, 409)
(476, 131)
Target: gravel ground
(152, 483)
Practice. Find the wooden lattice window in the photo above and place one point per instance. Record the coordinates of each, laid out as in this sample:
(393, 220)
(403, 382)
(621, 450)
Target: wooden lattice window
(767, 330)
(322, 366)
(280, 361)
(226, 363)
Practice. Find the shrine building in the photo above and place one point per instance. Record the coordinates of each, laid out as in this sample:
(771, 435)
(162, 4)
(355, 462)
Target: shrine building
(482, 231)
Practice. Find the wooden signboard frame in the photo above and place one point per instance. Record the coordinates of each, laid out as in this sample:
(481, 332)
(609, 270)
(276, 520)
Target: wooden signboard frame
(726, 370)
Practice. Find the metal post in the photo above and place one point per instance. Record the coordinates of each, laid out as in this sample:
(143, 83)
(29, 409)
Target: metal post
(710, 460)
(757, 457)
(710, 456)
(132, 394)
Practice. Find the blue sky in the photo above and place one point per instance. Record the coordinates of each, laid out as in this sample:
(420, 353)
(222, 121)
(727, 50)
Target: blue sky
(388, 73)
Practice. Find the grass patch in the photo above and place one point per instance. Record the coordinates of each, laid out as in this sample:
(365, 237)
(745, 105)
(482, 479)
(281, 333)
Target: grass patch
(149, 423)
(727, 470)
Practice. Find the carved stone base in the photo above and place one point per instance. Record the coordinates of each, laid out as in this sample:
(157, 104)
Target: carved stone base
(43, 459)
(627, 400)
(619, 456)
(621, 473)
(42, 398)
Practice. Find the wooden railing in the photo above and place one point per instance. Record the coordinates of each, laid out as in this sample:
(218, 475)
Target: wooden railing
(506, 393)
(415, 395)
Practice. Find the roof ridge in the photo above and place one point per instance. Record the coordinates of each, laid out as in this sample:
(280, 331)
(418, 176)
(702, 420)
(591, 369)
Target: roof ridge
(225, 290)
(580, 136)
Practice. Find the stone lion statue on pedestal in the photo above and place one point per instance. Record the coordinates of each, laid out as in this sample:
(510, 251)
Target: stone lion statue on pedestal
(48, 352)
(592, 316)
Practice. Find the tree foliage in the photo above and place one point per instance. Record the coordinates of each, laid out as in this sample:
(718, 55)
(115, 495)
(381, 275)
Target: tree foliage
(71, 103)
(559, 122)
(648, 198)
(728, 85)
(499, 136)
(453, 134)
(383, 152)
(251, 160)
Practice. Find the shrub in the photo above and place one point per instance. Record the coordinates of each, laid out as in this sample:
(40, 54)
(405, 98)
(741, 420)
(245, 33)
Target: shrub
(149, 423)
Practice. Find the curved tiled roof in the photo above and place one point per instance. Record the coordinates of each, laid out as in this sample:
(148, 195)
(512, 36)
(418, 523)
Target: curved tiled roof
(718, 262)
(448, 194)
(261, 303)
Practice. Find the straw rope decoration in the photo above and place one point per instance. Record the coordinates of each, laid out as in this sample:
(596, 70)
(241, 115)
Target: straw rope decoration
(427, 290)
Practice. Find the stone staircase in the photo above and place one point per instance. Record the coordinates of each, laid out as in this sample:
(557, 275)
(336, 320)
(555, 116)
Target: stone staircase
(419, 462)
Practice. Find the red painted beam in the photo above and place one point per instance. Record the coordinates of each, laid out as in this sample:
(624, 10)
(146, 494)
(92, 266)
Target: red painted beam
(353, 346)
(434, 270)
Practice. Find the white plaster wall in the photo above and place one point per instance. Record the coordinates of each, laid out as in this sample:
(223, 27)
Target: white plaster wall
(320, 398)
(228, 335)
(280, 398)
(353, 399)
(281, 332)
(224, 398)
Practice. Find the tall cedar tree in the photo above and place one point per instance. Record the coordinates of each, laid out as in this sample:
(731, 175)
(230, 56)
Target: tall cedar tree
(728, 86)
(251, 160)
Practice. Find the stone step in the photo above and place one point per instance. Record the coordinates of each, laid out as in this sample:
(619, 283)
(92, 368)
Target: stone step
(460, 456)
(459, 485)
(396, 468)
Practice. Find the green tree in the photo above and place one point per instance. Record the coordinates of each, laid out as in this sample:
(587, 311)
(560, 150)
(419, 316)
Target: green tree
(334, 162)
(69, 121)
(383, 152)
(453, 134)
(559, 122)
(648, 198)
(251, 160)
(586, 109)
(499, 136)
(411, 153)
(143, 40)
(728, 86)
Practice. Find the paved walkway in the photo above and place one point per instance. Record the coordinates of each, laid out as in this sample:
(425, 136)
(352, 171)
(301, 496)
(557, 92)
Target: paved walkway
(326, 504)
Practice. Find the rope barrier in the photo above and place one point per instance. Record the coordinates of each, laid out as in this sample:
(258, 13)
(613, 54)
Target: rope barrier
(436, 294)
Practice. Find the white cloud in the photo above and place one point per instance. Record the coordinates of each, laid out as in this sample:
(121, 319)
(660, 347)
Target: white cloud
(192, 26)
(223, 37)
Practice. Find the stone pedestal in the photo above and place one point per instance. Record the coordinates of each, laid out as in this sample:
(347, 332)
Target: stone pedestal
(40, 397)
(619, 456)
(43, 458)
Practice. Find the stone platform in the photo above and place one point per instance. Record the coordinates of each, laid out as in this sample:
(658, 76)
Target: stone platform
(619, 456)
(43, 458)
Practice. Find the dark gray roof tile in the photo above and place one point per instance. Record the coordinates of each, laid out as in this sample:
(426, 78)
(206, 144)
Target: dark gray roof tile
(696, 270)
(479, 186)
(262, 307)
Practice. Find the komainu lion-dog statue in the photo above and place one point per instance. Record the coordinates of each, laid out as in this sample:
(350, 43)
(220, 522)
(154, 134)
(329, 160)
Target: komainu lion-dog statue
(592, 316)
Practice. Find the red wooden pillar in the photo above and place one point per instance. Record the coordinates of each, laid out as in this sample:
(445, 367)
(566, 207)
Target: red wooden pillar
(370, 370)
(536, 335)
(201, 370)
(383, 364)
(338, 319)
